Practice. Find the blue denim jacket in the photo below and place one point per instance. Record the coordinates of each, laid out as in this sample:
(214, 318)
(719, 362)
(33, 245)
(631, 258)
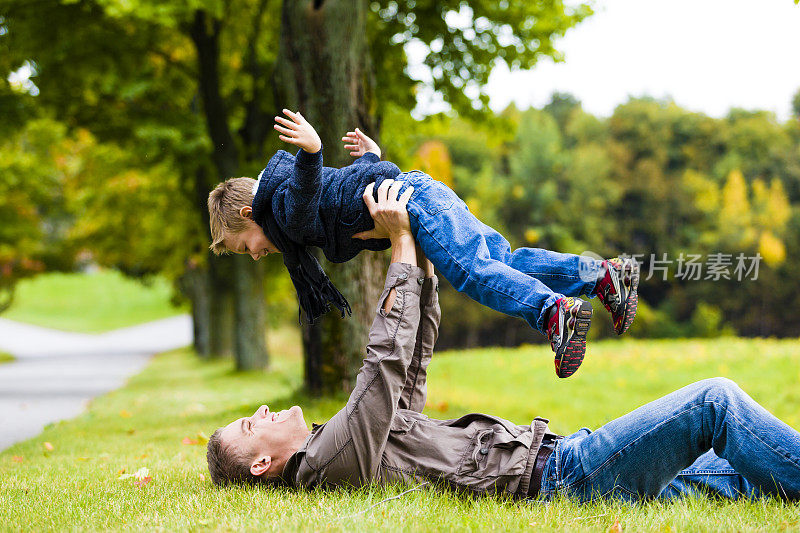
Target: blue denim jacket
(322, 206)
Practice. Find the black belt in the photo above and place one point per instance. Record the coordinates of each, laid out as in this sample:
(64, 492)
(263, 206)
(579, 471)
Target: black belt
(538, 467)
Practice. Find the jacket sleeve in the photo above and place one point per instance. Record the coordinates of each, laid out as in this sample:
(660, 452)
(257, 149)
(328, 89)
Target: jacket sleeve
(350, 446)
(302, 197)
(367, 159)
(415, 391)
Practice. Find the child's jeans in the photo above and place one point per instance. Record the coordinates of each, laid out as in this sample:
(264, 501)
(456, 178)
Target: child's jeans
(709, 435)
(479, 261)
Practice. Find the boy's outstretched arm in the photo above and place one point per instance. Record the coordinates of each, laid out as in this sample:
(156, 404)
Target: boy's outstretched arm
(302, 196)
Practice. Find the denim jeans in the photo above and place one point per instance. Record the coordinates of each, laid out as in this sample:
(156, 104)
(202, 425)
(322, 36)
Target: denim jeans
(709, 435)
(479, 262)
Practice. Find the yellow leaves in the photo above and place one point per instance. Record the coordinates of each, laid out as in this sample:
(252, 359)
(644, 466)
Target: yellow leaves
(532, 235)
(125, 414)
(735, 206)
(771, 248)
(771, 205)
(433, 158)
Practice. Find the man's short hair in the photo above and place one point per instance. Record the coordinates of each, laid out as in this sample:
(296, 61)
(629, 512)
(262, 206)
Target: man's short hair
(227, 466)
(224, 203)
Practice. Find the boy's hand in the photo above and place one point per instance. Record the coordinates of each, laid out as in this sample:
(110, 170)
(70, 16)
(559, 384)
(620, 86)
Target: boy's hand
(389, 212)
(298, 132)
(360, 144)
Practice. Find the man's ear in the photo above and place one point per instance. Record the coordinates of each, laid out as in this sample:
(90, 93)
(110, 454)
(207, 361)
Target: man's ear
(261, 465)
(246, 211)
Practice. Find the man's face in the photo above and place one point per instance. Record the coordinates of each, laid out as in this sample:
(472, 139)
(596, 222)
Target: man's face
(251, 241)
(267, 434)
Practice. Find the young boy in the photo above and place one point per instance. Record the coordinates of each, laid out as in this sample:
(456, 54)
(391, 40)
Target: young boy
(297, 202)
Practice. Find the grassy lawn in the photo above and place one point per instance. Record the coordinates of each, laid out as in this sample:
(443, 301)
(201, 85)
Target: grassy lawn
(90, 303)
(68, 478)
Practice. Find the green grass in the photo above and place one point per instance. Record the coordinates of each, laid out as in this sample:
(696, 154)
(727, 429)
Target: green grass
(5, 357)
(90, 303)
(75, 485)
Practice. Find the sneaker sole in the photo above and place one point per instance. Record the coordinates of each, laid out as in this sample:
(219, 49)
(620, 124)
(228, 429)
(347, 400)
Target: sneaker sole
(632, 303)
(572, 356)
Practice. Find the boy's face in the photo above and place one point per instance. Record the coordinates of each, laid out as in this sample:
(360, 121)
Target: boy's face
(251, 240)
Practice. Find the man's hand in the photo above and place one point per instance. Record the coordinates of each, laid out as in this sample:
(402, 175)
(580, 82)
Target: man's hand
(298, 132)
(360, 144)
(389, 212)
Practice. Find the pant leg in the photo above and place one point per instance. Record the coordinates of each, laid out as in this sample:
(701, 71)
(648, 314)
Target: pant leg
(471, 255)
(568, 274)
(640, 454)
(710, 474)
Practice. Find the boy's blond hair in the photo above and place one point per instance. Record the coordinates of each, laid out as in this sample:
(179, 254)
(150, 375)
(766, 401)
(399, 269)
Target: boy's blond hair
(224, 203)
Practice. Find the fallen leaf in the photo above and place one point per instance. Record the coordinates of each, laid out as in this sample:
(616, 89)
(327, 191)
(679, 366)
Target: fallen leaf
(143, 456)
(202, 438)
(140, 475)
(17, 458)
(201, 477)
(189, 441)
(616, 527)
(49, 447)
(143, 481)
(84, 458)
(121, 471)
(125, 414)
(131, 431)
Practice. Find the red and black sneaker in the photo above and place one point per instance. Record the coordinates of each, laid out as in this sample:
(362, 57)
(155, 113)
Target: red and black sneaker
(617, 289)
(567, 325)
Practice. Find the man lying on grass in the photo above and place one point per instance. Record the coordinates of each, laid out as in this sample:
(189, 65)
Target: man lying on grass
(708, 435)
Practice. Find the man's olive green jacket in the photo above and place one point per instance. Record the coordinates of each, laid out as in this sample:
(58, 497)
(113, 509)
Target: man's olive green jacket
(381, 434)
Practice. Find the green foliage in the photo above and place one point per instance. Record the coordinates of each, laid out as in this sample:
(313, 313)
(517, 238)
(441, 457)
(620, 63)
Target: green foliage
(31, 190)
(463, 41)
(178, 397)
(651, 179)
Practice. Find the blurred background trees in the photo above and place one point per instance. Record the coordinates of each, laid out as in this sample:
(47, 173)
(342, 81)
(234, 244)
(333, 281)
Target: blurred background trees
(121, 116)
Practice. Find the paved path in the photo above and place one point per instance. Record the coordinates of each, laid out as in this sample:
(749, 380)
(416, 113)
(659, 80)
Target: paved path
(56, 373)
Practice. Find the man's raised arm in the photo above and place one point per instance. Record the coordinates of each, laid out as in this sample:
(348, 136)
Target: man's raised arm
(415, 391)
(357, 435)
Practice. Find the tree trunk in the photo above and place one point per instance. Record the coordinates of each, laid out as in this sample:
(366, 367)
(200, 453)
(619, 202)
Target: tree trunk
(193, 284)
(221, 308)
(323, 69)
(237, 306)
(250, 346)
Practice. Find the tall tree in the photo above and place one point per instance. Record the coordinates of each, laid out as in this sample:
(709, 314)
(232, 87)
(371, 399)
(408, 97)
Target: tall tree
(342, 63)
(323, 69)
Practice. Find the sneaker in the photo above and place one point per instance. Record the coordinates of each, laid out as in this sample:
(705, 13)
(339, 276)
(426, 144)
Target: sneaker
(566, 328)
(618, 290)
